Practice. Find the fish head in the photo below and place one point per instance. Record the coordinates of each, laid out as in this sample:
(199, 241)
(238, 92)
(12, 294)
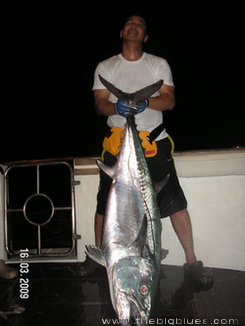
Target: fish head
(132, 288)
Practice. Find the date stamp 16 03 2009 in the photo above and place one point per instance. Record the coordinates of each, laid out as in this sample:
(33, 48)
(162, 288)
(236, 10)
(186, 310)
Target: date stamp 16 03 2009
(24, 270)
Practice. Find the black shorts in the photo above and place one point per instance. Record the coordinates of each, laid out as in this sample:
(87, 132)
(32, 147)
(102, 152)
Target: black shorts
(171, 198)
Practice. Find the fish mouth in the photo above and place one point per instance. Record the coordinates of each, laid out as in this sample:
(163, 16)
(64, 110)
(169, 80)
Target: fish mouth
(138, 308)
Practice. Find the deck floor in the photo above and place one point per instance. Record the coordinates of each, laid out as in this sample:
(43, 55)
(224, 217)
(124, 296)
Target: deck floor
(60, 297)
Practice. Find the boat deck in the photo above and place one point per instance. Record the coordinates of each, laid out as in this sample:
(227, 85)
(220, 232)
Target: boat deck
(58, 296)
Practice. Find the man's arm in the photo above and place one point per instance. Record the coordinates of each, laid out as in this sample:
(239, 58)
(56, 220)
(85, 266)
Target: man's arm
(102, 105)
(165, 101)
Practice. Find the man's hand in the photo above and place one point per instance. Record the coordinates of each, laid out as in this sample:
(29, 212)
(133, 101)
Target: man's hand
(141, 106)
(123, 108)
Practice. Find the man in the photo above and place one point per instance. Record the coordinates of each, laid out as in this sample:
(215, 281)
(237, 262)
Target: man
(130, 71)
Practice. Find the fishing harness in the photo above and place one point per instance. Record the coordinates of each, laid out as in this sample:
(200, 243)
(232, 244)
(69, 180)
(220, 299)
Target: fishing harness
(112, 142)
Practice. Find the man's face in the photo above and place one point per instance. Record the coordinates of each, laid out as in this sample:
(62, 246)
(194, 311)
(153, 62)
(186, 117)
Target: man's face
(134, 29)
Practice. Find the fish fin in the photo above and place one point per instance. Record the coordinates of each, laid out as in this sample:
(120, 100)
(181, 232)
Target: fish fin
(161, 184)
(164, 253)
(139, 96)
(110, 171)
(133, 98)
(150, 247)
(114, 90)
(96, 254)
(146, 252)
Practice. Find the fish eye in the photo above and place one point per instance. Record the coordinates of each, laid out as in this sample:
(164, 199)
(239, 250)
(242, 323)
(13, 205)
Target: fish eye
(144, 289)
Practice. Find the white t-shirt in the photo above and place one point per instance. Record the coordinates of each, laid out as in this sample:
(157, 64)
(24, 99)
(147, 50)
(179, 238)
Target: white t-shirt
(131, 76)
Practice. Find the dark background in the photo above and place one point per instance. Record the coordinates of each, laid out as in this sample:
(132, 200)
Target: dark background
(48, 60)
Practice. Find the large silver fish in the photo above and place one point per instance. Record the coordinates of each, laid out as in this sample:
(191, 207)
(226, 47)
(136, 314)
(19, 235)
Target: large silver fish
(131, 242)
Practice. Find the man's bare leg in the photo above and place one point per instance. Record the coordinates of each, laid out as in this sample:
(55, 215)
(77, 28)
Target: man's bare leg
(98, 226)
(182, 225)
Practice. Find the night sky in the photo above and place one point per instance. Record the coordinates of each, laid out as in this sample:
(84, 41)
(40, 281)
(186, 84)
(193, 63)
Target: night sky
(48, 63)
